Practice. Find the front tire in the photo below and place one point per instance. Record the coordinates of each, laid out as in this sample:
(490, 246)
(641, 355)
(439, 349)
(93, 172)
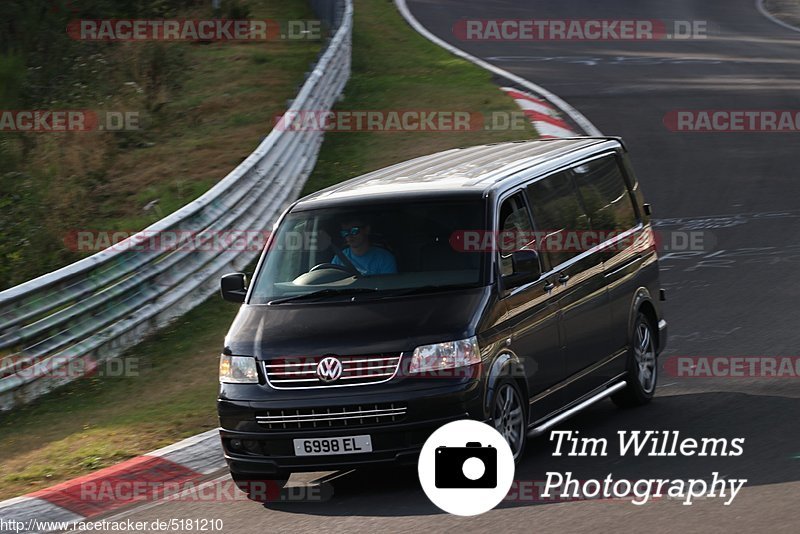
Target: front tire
(642, 366)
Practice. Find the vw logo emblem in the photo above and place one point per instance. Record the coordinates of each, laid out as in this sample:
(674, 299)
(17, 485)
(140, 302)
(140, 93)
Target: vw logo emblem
(329, 369)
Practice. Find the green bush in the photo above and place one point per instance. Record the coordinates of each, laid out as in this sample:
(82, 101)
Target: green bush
(12, 80)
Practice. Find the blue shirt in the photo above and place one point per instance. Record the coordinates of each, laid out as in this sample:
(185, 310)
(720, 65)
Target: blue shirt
(376, 261)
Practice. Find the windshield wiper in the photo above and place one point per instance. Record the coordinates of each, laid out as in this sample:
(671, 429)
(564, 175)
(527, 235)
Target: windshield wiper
(324, 293)
(426, 289)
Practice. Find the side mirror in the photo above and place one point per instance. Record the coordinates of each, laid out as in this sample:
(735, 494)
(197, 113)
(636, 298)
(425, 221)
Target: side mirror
(233, 287)
(527, 269)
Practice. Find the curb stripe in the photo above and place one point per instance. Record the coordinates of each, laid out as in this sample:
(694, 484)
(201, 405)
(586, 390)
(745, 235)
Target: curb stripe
(535, 116)
(582, 122)
(105, 490)
(550, 131)
(141, 479)
(201, 453)
(519, 95)
(545, 118)
(533, 106)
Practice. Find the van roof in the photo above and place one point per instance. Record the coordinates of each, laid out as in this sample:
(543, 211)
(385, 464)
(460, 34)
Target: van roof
(476, 169)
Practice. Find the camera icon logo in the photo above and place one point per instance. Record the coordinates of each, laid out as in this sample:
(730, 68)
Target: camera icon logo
(466, 468)
(472, 466)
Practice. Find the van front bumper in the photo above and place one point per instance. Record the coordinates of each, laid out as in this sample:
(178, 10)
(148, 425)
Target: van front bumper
(251, 449)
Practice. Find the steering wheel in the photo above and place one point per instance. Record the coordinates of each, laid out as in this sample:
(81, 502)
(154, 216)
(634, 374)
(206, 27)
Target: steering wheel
(344, 268)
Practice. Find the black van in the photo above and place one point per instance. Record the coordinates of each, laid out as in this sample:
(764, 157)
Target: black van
(514, 283)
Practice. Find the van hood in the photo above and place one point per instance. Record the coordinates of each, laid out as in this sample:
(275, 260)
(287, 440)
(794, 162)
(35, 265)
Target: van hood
(367, 326)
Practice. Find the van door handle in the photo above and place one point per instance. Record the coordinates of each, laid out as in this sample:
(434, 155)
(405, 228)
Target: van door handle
(563, 278)
(549, 286)
(625, 266)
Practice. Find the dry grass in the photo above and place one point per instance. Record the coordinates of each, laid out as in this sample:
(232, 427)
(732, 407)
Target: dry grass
(394, 68)
(202, 109)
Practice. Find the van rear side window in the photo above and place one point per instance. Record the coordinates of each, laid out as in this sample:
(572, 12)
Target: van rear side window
(557, 212)
(605, 195)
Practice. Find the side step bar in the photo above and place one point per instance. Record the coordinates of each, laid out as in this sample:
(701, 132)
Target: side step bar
(544, 427)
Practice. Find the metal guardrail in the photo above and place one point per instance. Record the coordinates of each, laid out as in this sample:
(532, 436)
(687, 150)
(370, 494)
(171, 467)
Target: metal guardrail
(96, 308)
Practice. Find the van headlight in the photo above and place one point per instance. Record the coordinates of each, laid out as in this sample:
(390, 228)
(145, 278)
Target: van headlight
(237, 369)
(448, 355)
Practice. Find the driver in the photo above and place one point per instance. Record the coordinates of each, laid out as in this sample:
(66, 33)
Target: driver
(366, 258)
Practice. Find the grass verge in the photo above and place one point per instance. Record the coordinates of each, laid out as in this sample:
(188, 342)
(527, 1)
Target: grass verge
(97, 422)
(201, 108)
(394, 68)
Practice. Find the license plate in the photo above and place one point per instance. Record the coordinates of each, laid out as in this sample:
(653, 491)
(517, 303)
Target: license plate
(325, 446)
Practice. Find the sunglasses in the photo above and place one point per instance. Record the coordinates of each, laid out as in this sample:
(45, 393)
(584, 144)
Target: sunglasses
(355, 230)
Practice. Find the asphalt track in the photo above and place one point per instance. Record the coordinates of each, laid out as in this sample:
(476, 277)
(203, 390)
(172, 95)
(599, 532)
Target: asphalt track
(736, 298)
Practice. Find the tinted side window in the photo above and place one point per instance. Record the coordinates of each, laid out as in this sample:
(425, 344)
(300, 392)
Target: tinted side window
(558, 213)
(605, 195)
(515, 226)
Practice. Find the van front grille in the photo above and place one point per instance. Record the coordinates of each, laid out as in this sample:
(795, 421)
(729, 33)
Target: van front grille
(304, 372)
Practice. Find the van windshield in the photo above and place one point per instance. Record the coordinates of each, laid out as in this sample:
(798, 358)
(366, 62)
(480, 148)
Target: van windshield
(385, 249)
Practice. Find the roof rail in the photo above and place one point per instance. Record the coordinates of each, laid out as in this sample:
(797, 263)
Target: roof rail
(598, 137)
